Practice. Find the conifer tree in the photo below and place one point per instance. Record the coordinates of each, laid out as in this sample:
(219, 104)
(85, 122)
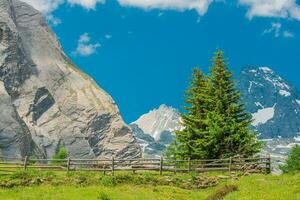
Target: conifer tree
(189, 141)
(216, 124)
(228, 122)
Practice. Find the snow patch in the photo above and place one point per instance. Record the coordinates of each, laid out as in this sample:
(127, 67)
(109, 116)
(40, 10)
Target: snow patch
(262, 116)
(284, 93)
(266, 69)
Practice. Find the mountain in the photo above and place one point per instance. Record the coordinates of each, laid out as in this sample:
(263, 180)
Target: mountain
(163, 119)
(46, 102)
(155, 129)
(273, 102)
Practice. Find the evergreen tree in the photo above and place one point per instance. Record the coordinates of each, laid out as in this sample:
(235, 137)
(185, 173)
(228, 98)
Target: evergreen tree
(228, 122)
(293, 161)
(189, 142)
(216, 123)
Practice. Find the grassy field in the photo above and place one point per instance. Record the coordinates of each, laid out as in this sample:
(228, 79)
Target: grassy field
(36, 185)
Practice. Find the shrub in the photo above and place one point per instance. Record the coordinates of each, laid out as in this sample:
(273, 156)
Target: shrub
(103, 196)
(293, 161)
(108, 181)
(60, 155)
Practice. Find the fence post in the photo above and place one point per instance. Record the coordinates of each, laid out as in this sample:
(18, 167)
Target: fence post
(230, 163)
(113, 166)
(25, 162)
(68, 164)
(268, 164)
(189, 165)
(161, 165)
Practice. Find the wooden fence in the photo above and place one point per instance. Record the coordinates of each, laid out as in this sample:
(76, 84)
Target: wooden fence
(251, 165)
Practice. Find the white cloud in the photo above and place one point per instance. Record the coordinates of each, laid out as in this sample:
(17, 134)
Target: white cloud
(201, 6)
(53, 20)
(288, 34)
(272, 8)
(45, 6)
(277, 30)
(84, 47)
(87, 4)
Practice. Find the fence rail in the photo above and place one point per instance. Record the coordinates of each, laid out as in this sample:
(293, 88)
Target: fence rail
(251, 165)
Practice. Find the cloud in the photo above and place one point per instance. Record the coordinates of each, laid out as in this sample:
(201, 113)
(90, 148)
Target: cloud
(54, 21)
(277, 30)
(201, 6)
(84, 47)
(272, 8)
(48, 6)
(288, 34)
(87, 4)
(45, 6)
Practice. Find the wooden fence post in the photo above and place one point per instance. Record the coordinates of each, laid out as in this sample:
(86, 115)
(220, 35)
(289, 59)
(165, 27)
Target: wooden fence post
(25, 162)
(113, 166)
(230, 163)
(268, 164)
(68, 164)
(189, 165)
(161, 166)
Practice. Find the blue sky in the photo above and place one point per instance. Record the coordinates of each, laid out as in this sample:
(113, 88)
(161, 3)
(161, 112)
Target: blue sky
(142, 51)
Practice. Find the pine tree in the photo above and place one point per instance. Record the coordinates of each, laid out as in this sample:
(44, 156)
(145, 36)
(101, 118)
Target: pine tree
(190, 140)
(228, 122)
(293, 160)
(216, 124)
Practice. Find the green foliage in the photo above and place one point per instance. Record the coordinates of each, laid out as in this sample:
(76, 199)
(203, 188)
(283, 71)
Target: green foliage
(61, 154)
(103, 196)
(108, 181)
(216, 123)
(293, 161)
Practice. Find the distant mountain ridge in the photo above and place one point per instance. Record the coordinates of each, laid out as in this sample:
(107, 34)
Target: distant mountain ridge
(273, 102)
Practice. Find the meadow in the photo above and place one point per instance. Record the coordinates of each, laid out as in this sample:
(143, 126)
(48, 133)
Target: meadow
(37, 185)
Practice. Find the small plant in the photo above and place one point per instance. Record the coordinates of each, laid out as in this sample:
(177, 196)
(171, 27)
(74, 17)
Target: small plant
(108, 181)
(60, 155)
(103, 196)
(293, 161)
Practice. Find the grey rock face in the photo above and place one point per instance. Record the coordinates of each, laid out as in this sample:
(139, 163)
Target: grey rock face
(274, 103)
(46, 101)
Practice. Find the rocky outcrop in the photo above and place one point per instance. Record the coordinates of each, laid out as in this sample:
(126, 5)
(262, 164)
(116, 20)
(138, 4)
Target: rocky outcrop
(46, 101)
(273, 102)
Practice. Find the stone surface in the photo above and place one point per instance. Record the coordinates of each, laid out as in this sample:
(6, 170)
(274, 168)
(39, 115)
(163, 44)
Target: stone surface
(46, 101)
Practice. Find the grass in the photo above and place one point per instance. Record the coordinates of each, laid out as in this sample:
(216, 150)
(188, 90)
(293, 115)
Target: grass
(36, 185)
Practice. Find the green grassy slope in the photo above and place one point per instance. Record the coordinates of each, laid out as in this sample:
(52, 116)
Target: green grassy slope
(126, 186)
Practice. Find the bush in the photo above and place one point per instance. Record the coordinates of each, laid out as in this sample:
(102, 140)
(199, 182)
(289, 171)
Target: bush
(103, 196)
(60, 155)
(293, 161)
(108, 181)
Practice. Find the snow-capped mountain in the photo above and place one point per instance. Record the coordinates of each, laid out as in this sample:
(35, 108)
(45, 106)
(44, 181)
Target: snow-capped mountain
(157, 121)
(155, 130)
(273, 102)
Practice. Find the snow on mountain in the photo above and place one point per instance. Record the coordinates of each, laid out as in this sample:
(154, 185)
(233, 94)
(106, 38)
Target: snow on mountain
(154, 130)
(273, 102)
(159, 120)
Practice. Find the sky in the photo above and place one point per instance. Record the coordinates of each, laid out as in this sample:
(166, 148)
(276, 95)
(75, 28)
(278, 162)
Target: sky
(142, 51)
